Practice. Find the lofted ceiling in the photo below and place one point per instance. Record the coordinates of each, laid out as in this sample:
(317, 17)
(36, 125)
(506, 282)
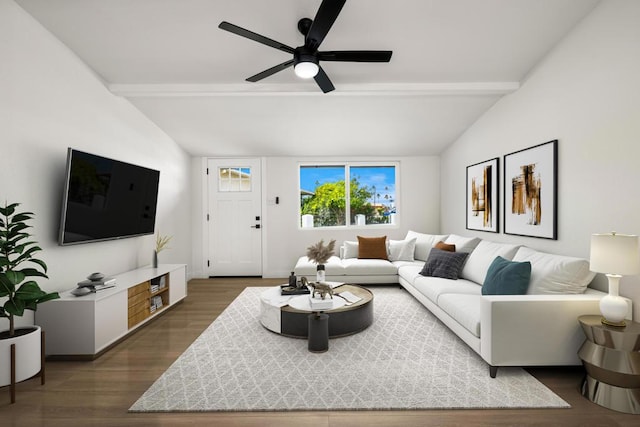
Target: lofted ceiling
(452, 60)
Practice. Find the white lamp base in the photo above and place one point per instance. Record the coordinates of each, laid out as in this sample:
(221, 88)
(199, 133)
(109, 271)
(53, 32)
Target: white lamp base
(613, 307)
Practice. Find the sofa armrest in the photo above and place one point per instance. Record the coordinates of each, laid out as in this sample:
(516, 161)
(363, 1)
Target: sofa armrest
(534, 330)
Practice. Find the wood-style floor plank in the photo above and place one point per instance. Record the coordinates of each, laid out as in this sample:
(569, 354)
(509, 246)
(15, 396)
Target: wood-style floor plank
(98, 393)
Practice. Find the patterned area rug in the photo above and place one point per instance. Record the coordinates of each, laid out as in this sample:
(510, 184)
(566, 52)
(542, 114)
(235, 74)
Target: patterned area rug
(406, 360)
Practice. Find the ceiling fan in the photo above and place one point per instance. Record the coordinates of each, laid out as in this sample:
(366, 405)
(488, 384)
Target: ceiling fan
(306, 58)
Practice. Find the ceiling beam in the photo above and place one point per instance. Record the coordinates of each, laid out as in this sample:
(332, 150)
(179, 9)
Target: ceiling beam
(378, 89)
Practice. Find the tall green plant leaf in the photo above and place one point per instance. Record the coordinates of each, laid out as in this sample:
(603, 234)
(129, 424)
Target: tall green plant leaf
(14, 307)
(17, 248)
(9, 209)
(14, 277)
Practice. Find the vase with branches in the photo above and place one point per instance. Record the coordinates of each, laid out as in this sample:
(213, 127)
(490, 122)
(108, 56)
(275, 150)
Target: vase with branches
(161, 244)
(320, 254)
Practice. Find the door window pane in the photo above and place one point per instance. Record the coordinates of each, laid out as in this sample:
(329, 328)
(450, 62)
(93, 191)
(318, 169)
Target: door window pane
(234, 179)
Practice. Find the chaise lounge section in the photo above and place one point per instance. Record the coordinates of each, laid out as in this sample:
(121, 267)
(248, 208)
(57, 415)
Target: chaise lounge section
(533, 326)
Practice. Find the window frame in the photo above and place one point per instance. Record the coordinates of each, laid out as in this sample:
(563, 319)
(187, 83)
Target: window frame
(347, 165)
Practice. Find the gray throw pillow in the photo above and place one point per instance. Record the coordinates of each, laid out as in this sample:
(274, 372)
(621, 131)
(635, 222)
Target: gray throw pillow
(444, 264)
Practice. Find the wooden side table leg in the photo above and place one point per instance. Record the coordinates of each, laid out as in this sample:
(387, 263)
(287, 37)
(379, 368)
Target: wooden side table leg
(42, 341)
(12, 387)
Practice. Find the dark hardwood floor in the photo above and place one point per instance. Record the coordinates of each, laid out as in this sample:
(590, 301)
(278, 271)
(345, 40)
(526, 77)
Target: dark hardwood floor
(98, 393)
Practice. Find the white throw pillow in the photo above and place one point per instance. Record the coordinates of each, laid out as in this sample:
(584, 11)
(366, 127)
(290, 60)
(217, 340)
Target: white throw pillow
(350, 249)
(555, 274)
(482, 256)
(463, 244)
(402, 250)
(424, 243)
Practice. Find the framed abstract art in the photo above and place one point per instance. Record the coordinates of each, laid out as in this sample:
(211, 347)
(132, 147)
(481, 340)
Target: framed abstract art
(482, 196)
(531, 191)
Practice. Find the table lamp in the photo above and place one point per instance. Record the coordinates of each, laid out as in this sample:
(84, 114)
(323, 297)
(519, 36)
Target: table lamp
(615, 255)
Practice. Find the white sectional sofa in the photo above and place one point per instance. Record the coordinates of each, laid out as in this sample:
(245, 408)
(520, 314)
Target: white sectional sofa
(539, 328)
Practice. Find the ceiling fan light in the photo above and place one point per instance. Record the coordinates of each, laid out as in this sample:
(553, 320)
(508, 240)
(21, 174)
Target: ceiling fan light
(306, 70)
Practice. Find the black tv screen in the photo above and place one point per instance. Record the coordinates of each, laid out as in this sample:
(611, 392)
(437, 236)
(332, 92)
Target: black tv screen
(106, 199)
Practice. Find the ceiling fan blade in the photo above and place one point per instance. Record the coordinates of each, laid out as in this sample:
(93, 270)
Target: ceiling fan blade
(270, 71)
(325, 17)
(224, 25)
(323, 81)
(356, 55)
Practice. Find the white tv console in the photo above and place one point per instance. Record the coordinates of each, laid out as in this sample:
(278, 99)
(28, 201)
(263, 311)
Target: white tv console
(85, 327)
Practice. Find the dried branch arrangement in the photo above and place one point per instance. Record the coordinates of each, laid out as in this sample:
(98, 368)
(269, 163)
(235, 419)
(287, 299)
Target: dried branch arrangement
(162, 242)
(319, 253)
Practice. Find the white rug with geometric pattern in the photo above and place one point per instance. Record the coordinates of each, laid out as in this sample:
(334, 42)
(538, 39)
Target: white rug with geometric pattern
(406, 359)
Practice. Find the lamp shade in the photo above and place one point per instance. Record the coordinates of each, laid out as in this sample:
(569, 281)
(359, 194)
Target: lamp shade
(615, 254)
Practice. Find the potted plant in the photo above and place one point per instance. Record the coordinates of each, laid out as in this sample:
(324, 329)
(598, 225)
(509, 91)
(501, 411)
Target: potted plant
(17, 265)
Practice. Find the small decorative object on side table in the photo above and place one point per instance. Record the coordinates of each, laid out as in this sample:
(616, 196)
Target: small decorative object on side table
(611, 357)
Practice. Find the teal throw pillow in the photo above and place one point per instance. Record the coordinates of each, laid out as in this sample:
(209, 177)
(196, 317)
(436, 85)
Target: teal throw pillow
(506, 277)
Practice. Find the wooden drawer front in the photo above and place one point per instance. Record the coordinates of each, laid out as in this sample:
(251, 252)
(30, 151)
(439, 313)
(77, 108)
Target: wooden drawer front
(140, 298)
(140, 307)
(142, 287)
(139, 316)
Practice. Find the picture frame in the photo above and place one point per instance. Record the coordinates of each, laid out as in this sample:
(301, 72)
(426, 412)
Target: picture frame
(531, 191)
(483, 196)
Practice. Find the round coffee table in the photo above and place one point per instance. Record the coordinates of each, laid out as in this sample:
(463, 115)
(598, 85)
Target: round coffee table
(277, 315)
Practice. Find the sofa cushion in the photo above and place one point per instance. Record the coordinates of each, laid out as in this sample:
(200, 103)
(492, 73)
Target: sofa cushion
(409, 271)
(434, 287)
(372, 247)
(305, 267)
(555, 274)
(463, 244)
(506, 277)
(444, 264)
(402, 250)
(445, 246)
(482, 256)
(424, 243)
(465, 309)
(349, 249)
(368, 267)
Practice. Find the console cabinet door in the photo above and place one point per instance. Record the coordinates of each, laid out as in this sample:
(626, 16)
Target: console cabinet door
(111, 320)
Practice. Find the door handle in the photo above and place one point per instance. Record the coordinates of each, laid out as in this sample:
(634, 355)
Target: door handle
(255, 226)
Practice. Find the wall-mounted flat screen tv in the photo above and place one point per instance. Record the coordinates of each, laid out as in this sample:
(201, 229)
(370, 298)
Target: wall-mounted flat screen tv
(106, 199)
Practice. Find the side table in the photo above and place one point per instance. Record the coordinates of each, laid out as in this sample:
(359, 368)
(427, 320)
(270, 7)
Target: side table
(611, 357)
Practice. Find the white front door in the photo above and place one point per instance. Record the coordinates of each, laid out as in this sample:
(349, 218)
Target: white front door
(235, 218)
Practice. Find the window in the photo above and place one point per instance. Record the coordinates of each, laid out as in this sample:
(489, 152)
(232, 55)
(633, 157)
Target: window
(327, 201)
(234, 179)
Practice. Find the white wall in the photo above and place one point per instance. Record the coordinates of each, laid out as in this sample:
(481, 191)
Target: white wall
(586, 94)
(49, 100)
(284, 242)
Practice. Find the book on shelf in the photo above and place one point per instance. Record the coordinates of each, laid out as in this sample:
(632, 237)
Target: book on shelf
(157, 301)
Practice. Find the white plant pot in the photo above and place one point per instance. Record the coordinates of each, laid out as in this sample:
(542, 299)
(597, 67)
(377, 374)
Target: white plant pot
(28, 357)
